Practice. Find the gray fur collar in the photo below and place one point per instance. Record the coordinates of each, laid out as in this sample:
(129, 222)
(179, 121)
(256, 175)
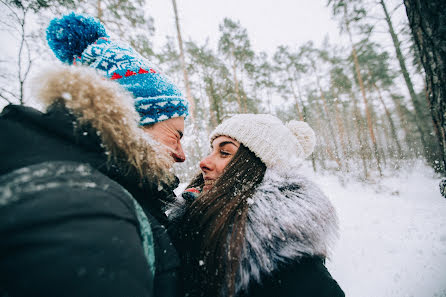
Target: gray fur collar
(289, 217)
(109, 109)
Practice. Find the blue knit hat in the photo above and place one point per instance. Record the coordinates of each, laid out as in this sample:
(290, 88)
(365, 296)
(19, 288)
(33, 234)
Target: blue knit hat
(82, 39)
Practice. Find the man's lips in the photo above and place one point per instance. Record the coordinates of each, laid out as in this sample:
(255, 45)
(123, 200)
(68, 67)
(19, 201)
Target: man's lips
(177, 157)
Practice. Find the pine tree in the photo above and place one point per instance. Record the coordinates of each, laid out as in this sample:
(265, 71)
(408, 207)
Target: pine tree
(215, 81)
(234, 44)
(183, 62)
(378, 76)
(351, 12)
(125, 19)
(419, 119)
(290, 69)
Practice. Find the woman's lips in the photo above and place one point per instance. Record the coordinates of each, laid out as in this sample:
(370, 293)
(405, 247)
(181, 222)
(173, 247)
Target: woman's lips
(208, 184)
(209, 181)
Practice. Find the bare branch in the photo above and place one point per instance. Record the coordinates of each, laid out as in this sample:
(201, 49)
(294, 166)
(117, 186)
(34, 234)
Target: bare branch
(375, 18)
(29, 61)
(396, 8)
(3, 95)
(4, 98)
(19, 60)
(7, 25)
(12, 10)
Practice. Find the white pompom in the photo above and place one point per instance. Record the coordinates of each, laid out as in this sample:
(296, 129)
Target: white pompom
(304, 134)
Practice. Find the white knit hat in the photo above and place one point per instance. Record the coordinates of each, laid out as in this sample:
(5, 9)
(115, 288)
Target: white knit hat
(266, 136)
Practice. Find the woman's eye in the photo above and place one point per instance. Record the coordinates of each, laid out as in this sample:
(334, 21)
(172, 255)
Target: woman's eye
(225, 154)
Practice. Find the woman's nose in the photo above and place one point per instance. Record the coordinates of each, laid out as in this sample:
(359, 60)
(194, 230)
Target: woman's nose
(206, 164)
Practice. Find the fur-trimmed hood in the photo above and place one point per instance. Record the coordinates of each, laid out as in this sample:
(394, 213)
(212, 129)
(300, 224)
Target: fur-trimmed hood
(289, 217)
(109, 109)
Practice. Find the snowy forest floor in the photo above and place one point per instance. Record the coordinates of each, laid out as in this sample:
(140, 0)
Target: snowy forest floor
(392, 234)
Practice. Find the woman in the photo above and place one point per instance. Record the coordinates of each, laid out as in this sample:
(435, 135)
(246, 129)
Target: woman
(254, 226)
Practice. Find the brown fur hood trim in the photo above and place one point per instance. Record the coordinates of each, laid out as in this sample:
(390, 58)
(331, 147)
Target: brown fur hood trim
(108, 108)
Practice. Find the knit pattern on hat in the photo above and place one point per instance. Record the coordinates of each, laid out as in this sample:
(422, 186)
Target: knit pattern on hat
(79, 39)
(276, 144)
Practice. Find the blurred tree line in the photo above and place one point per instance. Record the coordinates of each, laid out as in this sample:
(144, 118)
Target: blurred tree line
(366, 101)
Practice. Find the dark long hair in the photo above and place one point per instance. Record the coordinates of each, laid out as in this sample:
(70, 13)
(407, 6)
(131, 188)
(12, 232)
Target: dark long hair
(213, 227)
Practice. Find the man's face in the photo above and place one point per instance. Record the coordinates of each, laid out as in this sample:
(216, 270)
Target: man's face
(169, 133)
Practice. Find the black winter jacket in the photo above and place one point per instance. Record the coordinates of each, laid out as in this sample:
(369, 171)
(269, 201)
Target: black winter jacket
(67, 218)
(307, 277)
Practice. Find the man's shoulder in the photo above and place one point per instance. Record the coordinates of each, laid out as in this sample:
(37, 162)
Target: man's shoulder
(74, 225)
(61, 180)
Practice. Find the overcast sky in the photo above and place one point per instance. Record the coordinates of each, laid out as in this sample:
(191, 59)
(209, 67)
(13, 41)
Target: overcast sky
(269, 23)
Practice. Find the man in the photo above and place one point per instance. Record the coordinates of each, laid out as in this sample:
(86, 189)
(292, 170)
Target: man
(83, 184)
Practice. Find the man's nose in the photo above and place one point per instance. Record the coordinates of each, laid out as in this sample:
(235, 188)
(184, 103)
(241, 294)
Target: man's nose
(179, 155)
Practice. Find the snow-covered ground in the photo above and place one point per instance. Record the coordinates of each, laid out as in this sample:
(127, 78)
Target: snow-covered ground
(392, 235)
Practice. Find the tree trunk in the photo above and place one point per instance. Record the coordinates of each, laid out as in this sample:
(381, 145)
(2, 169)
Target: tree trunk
(348, 128)
(183, 62)
(296, 100)
(364, 97)
(99, 10)
(361, 143)
(341, 133)
(237, 91)
(334, 156)
(245, 100)
(322, 110)
(396, 43)
(299, 99)
(211, 96)
(427, 19)
(320, 132)
(392, 124)
(303, 117)
(385, 147)
(19, 62)
(403, 118)
(296, 103)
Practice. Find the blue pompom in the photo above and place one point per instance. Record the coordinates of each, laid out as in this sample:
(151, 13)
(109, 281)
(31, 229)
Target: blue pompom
(70, 35)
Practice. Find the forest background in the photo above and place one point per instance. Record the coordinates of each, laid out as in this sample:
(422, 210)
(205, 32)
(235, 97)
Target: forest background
(364, 93)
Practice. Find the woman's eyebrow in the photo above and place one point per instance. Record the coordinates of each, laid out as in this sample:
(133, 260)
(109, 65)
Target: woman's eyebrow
(223, 143)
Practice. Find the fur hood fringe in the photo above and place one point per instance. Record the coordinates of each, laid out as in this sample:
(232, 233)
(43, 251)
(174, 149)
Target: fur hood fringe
(109, 109)
(289, 217)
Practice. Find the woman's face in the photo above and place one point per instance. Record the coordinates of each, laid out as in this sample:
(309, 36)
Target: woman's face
(223, 149)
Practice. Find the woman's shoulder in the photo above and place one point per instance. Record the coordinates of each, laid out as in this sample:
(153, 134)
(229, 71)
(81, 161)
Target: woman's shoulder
(306, 276)
(289, 217)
